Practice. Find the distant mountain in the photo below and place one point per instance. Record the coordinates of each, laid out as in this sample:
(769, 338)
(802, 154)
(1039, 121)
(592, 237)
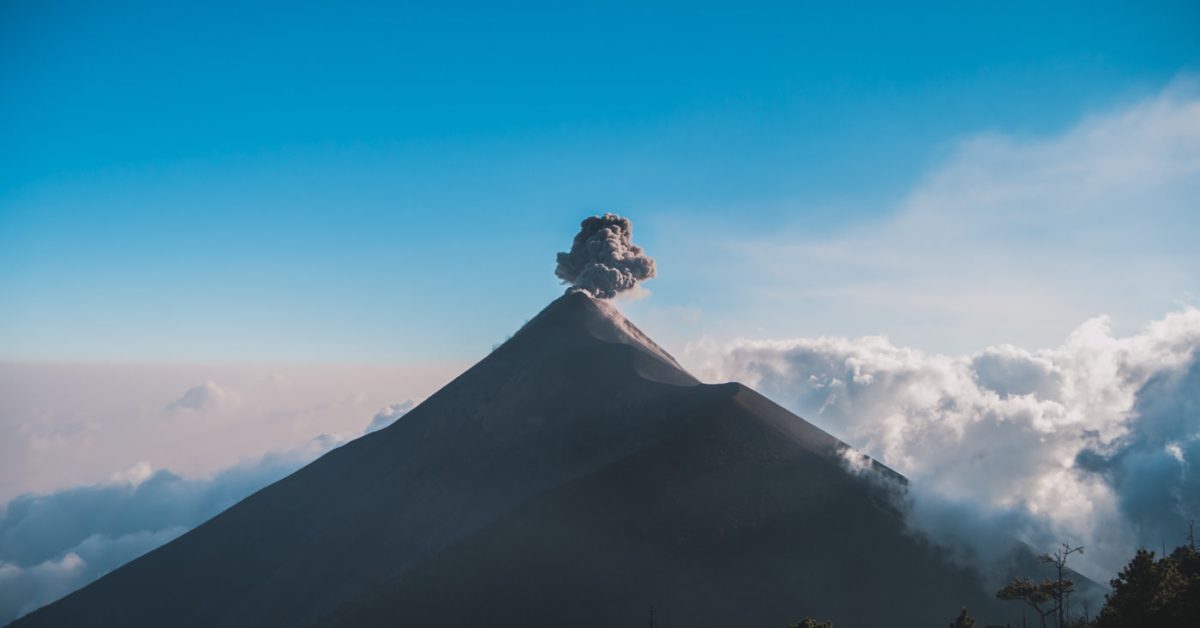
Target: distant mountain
(577, 476)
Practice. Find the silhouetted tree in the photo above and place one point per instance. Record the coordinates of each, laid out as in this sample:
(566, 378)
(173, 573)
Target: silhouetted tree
(1158, 593)
(1054, 592)
(963, 621)
(809, 622)
(1061, 588)
(1162, 593)
(1035, 595)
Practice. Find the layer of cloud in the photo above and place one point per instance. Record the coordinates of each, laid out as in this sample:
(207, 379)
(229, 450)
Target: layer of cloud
(24, 589)
(1096, 441)
(69, 425)
(55, 543)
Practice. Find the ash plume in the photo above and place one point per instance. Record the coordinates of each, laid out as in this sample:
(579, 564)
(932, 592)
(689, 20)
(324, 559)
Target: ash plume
(603, 260)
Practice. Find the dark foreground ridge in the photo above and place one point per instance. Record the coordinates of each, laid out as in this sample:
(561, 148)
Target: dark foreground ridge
(576, 476)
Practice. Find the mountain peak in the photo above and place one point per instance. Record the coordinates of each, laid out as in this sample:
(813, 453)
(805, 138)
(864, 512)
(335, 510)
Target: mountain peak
(578, 315)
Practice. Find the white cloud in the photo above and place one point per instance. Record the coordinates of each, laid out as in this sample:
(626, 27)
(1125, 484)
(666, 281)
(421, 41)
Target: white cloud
(134, 475)
(204, 398)
(389, 413)
(1007, 239)
(53, 544)
(70, 425)
(1095, 440)
(23, 590)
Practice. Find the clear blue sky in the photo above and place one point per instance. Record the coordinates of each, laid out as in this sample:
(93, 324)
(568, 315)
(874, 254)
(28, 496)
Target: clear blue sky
(214, 181)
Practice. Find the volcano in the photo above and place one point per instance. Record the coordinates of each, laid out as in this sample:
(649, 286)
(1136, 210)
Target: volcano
(576, 476)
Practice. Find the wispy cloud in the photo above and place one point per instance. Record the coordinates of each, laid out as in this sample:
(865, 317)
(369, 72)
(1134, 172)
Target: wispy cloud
(1008, 239)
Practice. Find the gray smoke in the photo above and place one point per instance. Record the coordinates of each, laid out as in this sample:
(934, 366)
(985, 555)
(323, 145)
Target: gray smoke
(604, 261)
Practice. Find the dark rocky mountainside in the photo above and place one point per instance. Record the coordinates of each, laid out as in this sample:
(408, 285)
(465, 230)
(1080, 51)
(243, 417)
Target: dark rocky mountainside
(576, 476)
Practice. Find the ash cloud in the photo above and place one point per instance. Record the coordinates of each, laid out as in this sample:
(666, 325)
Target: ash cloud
(603, 260)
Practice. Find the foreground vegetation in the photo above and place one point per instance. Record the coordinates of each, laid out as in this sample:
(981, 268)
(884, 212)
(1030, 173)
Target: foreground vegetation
(1150, 592)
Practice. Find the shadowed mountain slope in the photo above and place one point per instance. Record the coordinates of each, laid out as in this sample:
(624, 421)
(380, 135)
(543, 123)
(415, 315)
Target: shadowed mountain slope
(576, 476)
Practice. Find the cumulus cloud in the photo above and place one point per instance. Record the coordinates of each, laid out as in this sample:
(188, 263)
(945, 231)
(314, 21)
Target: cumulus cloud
(204, 397)
(603, 260)
(1095, 441)
(389, 413)
(53, 544)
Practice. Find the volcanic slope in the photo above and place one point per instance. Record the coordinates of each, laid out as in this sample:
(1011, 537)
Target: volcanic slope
(577, 476)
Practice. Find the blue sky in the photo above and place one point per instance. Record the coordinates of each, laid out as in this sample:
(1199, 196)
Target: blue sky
(215, 182)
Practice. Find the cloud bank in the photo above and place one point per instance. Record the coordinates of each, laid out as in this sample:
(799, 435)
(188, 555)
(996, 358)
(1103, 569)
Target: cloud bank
(53, 544)
(68, 425)
(1096, 441)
